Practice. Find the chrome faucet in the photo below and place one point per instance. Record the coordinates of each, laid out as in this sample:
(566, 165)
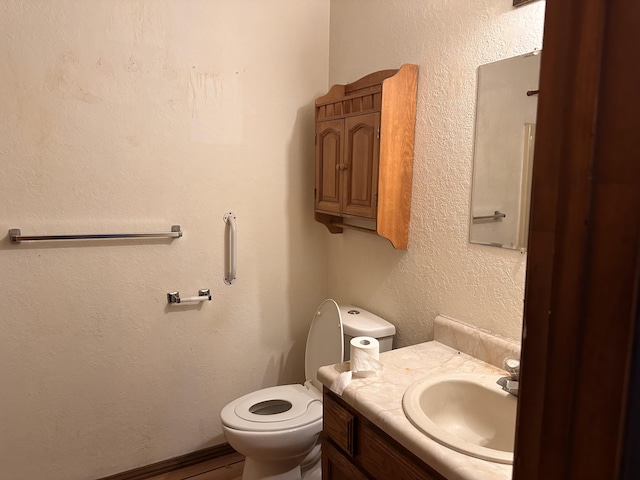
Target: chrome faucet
(510, 384)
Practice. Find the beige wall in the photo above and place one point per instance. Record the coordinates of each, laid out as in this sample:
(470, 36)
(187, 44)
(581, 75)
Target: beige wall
(125, 116)
(441, 273)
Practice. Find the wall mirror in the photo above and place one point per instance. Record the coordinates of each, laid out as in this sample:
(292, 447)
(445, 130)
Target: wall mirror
(503, 153)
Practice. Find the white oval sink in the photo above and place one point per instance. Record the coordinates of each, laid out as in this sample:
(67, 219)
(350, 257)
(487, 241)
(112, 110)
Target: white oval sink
(467, 412)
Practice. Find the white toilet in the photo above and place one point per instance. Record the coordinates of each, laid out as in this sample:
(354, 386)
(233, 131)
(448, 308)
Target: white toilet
(277, 428)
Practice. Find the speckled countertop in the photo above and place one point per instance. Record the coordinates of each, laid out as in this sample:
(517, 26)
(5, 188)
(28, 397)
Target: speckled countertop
(379, 398)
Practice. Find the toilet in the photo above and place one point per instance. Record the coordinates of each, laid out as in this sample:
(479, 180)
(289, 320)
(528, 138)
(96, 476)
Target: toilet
(277, 428)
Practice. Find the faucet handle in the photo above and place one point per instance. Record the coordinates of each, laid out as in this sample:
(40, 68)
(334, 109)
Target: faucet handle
(512, 366)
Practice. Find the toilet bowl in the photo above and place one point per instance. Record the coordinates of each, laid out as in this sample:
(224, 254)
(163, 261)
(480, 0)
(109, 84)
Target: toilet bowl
(277, 428)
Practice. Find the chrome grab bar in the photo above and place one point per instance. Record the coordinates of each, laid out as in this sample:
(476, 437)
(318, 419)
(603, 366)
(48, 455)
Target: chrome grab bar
(496, 216)
(231, 262)
(15, 236)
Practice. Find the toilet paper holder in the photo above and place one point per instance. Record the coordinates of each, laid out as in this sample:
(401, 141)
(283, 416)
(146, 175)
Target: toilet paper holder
(203, 296)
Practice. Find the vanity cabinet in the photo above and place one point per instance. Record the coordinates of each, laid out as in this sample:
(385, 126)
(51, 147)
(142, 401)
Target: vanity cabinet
(353, 448)
(364, 154)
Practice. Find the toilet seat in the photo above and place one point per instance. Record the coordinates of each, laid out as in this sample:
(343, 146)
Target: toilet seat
(291, 406)
(325, 341)
(244, 412)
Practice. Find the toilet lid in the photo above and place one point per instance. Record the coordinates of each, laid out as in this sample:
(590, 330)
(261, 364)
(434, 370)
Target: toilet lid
(273, 409)
(325, 342)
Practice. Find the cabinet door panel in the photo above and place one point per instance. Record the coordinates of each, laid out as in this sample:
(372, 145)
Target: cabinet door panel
(329, 151)
(362, 152)
(381, 458)
(336, 466)
(339, 425)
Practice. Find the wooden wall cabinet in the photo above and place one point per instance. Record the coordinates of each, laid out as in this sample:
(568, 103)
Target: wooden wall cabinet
(364, 154)
(353, 448)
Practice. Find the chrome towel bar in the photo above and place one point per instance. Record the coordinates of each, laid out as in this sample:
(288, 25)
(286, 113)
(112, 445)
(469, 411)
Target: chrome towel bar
(15, 236)
(497, 215)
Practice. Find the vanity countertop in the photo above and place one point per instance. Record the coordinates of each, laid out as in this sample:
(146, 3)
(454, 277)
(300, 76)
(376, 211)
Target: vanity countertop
(379, 398)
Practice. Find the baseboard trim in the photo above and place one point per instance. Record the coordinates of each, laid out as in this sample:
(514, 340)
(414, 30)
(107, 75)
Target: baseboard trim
(176, 463)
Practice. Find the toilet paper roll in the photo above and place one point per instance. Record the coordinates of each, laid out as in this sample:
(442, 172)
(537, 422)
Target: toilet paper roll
(365, 354)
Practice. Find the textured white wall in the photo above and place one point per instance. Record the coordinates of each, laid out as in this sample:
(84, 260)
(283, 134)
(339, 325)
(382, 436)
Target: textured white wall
(134, 115)
(441, 272)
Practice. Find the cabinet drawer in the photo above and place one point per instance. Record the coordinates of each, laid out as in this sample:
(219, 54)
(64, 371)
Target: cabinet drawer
(339, 425)
(382, 457)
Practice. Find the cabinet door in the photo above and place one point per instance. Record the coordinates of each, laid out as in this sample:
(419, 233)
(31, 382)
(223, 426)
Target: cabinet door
(329, 152)
(360, 168)
(354, 448)
(336, 466)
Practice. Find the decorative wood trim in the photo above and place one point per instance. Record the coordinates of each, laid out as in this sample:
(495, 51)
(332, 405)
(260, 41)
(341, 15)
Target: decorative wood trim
(396, 155)
(335, 94)
(370, 80)
(175, 463)
(331, 98)
(327, 221)
(583, 258)
(353, 227)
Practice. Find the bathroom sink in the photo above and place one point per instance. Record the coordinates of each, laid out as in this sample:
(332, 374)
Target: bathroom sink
(466, 412)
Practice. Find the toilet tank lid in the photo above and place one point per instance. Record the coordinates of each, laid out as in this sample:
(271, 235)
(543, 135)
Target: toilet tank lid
(357, 321)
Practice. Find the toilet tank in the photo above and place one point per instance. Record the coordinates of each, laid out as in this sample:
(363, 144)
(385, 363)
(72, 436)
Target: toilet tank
(358, 322)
